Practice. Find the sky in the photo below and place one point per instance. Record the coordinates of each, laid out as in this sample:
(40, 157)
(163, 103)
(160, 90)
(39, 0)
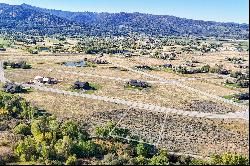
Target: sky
(209, 10)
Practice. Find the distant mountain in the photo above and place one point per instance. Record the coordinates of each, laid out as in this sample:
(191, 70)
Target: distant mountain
(18, 18)
(29, 19)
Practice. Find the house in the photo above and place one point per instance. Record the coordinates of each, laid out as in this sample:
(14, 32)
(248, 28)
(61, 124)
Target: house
(15, 65)
(99, 61)
(34, 52)
(21, 64)
(212, 50)
(137, 83)
(242, 96)
(31, 41)
(75, 64)
(167, 55)
(190, 64)
(168, 65)
(50, 80)
(13, 88)
(224, 72)
(58, 44)
(190, 71)
(44, 49)
(38, 79)
(82, 85)
(2, 49)
(128, 55)
(143, 67)
(239, 49)
(243, 66)
(44, 80)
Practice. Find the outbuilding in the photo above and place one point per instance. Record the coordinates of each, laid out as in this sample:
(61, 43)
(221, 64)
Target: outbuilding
(137, 83)
(167, 65)
(2, 49)
(82, 85)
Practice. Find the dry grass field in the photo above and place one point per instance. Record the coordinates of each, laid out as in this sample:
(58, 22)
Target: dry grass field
(159, 94)
(177, 133)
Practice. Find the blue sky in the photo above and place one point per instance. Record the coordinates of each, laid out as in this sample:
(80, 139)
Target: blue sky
(212, 10)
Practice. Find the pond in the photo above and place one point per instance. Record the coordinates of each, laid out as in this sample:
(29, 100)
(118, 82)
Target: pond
(75, 64)
(44, 49)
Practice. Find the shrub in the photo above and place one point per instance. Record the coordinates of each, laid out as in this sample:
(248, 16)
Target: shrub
(71, 129)
(141, 160)
(205, 69)
(103, 132)
(13, 88)
(236, 74)
(64, 147)
(15, 106)
(86, 149)
(229, 159)
(52, 162)
(242, 96)
(71, 160)
(41, 130)
(215, 69)
(112, 159)
(22, 129)
(145, 150)
(198, 162)
(26, 149)
(243, 83)
(14, 65)
(161, 159)
(3, 111)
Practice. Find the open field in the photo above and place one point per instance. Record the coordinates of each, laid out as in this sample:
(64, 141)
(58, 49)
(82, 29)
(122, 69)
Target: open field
(177, 133)
(158, 94)
(190, 135)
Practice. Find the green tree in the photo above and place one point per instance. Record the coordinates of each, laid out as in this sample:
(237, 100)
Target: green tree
(104, 131)
(44, 150)
(64, 147)
(69, 128)
(229, 159)
(141, 150)
(27, 110)
(141, 160)
(87, 149)
(113, 159)
(145, 150)
(54, 127)
(40, 129)
(71, 160)
(161, 159)
(205, 69)
(22, 128)
(26, 149)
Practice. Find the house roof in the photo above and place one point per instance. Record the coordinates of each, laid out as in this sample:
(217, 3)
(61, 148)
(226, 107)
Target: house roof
(38, 77)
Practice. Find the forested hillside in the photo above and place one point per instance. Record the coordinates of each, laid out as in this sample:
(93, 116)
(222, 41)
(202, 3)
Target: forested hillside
(29, 19)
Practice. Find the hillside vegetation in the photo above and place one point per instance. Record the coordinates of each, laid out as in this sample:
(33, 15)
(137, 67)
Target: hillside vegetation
(33, 20)
(44, 139)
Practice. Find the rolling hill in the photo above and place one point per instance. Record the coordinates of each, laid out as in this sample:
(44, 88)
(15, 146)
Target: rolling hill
(30, 19)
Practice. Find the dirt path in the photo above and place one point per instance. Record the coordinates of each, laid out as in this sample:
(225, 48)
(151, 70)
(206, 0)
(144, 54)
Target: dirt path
(182, 85)
(140, 105)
